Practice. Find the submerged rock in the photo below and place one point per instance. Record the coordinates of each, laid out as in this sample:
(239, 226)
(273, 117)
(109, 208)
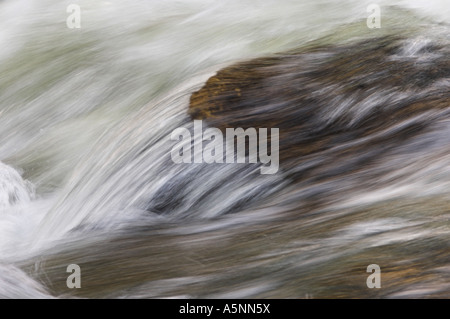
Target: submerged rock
(360, 100)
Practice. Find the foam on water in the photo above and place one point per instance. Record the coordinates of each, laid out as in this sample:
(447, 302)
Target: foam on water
(16, 284)
(13, 189)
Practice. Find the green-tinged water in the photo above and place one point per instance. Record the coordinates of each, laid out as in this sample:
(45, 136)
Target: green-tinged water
(86, 116)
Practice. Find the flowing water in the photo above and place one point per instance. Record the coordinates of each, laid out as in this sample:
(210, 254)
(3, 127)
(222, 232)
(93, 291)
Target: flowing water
(86, 175)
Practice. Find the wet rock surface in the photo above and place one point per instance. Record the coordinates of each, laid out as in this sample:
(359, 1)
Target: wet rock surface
(364, 97)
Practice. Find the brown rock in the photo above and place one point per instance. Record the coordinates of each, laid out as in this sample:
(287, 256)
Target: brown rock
(353, 96)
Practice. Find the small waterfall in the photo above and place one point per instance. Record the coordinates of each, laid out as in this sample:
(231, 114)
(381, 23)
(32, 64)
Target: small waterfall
(86, 175)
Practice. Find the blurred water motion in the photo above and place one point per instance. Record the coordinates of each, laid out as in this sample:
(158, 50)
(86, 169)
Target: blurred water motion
(86, 175)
